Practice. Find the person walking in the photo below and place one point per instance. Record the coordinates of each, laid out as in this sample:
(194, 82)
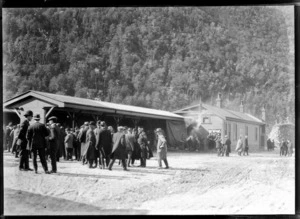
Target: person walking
(119, 148)
(245, 146)
(161, 148)
(239, 146)
(22, 142)
(90, 147)
(54, 141)
(36, 137)
(69, 141)
(130, 139)
(227, 146)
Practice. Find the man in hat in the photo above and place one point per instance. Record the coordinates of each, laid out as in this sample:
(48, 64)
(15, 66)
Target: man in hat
(143, 142)
(22, 141)
(119, 148)
(245, 146)
(103, 144)
(14, 144)
(69, 139)
(53, 142)
(239, 146)
(82, 139)
(61, 149)
(8, 137)
(36, 136)
(90, 149)
(227, 146)
(161, 148)
(130, 140)
(76, 144)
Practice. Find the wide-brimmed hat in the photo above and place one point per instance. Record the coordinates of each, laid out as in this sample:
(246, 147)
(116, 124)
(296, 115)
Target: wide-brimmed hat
(86, 123)
(53, 118)
(28, 113)
(37, 117)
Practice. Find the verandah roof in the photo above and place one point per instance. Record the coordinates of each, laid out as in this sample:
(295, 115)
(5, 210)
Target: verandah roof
(64, 101)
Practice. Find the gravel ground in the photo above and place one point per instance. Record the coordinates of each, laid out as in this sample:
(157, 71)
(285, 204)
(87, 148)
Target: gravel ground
(196, 183)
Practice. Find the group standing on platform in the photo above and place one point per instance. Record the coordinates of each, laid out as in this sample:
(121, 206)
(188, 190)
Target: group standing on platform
(93, 144)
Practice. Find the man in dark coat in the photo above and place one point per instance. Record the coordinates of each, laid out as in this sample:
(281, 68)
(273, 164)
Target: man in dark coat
(36, 136)
(76, 144)
(103, 144)
(269, 144)
(61, 150)
(136, 155)
(22, 141)
(90, 149)
(53, 142)
(119, 148)
(143, 141)
(246, 146)
(82, 140)
(227, 146)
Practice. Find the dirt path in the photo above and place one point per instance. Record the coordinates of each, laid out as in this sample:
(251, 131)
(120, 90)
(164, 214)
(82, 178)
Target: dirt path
(195, 184)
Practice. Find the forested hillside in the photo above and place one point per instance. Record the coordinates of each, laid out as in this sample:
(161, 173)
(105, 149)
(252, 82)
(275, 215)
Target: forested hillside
(162, 57)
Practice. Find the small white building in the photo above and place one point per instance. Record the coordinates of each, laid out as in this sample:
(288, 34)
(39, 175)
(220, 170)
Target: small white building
(227, 122)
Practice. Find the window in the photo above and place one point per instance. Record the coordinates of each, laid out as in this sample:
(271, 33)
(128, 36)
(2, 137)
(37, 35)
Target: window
(206, 119)
(246, 130)
(256, 133)
(225, 130)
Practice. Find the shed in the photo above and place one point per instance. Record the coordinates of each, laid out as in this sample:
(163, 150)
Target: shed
(73, 111)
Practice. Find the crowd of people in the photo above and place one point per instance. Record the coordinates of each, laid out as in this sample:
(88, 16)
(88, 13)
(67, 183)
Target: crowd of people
(215, 140)
(285, 148)
(94, 143)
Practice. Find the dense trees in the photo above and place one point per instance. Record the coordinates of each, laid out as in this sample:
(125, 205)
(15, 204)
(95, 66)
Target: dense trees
(164, 58)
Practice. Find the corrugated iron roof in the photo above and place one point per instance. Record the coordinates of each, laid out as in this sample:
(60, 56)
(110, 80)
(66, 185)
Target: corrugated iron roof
(101, 104)
(225, 113)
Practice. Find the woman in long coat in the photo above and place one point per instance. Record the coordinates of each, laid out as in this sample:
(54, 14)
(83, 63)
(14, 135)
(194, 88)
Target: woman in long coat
(239, 146)
(161, 148)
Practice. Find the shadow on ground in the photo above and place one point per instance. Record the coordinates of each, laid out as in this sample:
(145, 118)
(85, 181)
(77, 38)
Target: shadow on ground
(17, 202)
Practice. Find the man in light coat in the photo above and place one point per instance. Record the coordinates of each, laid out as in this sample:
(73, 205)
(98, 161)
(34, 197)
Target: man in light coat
(239, 146)
(161, 148)
(130, 140)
